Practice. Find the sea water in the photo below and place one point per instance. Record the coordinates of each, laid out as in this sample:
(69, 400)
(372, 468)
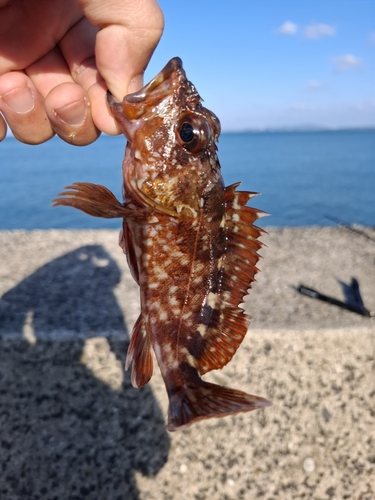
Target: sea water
(305, 178)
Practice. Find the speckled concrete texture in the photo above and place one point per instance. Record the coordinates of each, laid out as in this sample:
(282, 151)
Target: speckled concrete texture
(72, 427)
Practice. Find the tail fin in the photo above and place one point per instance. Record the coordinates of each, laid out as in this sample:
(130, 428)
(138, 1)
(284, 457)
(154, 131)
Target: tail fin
(196, 402)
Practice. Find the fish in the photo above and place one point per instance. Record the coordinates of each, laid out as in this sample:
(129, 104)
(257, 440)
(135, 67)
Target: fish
(190, 242)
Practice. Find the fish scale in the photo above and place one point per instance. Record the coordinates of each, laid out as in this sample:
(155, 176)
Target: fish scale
(191, 245)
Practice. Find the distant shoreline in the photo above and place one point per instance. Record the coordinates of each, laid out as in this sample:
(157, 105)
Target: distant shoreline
(272, 130)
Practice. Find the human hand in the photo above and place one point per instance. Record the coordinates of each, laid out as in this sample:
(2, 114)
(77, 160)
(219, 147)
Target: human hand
(59, 57)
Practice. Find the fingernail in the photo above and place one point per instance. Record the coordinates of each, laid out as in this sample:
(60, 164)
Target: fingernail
(135, 84)
(73, 114)
(20, 100)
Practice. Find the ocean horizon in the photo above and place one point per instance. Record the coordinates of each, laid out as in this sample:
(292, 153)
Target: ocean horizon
(306, 177)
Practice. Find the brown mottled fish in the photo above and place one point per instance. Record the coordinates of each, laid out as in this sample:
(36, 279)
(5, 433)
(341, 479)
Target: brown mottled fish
(190, 243)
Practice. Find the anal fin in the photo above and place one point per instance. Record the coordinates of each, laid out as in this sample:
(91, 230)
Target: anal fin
(139, 355)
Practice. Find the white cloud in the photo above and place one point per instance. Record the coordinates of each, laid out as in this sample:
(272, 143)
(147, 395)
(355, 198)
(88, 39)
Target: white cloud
(287, 28)
(347, 62)
(316, 31)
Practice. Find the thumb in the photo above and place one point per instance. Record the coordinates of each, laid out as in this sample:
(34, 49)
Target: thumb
(129, 31)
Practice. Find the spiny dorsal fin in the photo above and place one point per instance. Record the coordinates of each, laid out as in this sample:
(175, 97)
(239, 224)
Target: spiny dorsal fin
(222, 337)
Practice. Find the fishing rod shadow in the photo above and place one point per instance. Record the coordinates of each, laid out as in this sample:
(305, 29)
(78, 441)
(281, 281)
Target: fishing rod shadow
(72, 425)
(354, 228)
(353, 299)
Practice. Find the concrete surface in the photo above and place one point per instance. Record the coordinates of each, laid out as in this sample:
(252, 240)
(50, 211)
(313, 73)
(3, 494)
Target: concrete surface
(72, 427)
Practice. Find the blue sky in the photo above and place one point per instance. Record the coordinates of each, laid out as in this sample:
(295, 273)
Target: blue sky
(276, 63)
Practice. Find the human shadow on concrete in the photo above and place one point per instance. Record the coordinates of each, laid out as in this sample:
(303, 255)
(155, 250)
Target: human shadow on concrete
(64, 433)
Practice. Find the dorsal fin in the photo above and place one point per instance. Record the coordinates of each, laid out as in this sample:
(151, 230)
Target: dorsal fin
(228, 323)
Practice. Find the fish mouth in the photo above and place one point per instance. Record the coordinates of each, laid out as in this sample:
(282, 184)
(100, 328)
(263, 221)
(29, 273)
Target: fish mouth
(135, 105)
(156, 84)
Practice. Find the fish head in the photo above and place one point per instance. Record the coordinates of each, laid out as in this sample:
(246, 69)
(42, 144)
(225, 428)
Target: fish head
(173, 164)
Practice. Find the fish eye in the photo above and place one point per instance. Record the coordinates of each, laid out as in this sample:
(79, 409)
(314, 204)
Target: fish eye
(187, 133)
(193, 133)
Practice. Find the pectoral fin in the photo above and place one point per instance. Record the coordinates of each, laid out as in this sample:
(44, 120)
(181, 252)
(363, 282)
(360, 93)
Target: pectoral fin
(95, 200)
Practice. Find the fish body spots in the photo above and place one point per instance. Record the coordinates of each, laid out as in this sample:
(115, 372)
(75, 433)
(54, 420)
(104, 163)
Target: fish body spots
(179, 285)
(163, 315)
(191, 285)
(185, 355)
(202, 329)
(187, 315)
(212, 299)
(160, 273)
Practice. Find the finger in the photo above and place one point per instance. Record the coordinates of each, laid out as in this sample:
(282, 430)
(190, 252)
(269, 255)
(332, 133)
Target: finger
(69, 111)
(67, 104)
(129, 34)
(100, 112)
(3, 128)
(30, 29)
(49, 71)
(78, 49)
(23, 108)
